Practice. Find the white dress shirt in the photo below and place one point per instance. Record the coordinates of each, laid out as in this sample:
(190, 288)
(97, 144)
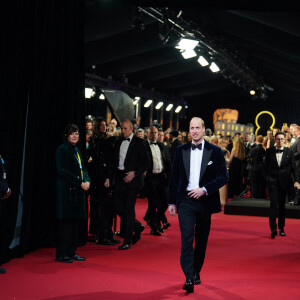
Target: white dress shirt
(279, 156)
(195, 168)
(123, 151)
(158, 166)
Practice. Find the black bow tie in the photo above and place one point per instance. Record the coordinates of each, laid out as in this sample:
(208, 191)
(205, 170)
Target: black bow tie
(153, 143)
(196, 146)
(126, 139)
(279, 151)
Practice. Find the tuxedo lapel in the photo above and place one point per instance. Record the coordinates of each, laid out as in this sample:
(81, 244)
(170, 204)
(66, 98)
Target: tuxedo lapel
(284, 156)
(205, 159)
(186, 155)
(130, 148)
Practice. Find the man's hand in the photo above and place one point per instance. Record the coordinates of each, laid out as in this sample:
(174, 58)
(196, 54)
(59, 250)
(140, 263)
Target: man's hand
(130, 175)
(7, 194)
(196, 193)
(172, 209)
(106, 183)
(297, 185)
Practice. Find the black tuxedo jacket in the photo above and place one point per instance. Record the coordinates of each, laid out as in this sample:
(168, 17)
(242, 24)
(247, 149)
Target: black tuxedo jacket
(137, 160)
(280, 175)
(173, 148)
(167, 164)
(256, 157)
(213, 176)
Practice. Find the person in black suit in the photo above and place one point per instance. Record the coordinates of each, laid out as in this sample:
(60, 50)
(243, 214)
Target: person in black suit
(296, 150)
(174, 143)
(130, 160)
(5, 192)
(279, 167)
(255, 160)
(157, 182)
(199, 171)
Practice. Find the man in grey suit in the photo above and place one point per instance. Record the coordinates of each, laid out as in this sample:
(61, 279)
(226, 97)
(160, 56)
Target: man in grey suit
(199, 171)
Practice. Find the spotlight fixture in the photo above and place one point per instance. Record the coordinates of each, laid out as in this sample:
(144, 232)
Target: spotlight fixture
(187, 44)
(102, 97)
(178, 109)
(188, 53)
(148, 103)
(214, 68)
(159, 105)
(169, 107)
(252, 92)
(89, 92)
(202, 61)
(137, 98)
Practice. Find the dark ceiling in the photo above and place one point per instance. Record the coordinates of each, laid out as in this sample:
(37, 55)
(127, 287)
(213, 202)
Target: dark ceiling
(264, 42)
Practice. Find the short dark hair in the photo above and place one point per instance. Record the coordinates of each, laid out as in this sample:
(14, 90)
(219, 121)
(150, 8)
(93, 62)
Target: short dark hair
(278, 133)
(69, 129)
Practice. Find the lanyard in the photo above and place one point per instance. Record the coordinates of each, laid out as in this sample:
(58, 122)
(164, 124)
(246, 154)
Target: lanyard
(79, 162)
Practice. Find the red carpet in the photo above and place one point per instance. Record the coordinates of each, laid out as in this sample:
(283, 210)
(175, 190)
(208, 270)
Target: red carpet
(242, 262)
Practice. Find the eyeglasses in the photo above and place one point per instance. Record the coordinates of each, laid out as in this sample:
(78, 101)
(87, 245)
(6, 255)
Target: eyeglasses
(280, 139)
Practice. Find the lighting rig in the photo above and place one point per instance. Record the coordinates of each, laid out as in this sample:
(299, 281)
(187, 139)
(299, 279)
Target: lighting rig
(209, 47)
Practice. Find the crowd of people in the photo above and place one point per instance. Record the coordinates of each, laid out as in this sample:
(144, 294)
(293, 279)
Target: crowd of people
(123, 162)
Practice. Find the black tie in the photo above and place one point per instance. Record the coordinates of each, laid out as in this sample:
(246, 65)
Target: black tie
(127, 139)
(153, 143)
(196, 146)
(279, 151)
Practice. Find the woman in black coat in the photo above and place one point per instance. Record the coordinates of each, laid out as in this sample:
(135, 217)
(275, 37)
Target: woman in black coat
(72, 183)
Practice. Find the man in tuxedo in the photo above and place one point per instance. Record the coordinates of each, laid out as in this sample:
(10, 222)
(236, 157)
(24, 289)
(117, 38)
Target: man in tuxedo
(130, 161)
(5, 192)
(199, 171)
(279, 167)
(174, 143)
(296, 150)
(157, 182)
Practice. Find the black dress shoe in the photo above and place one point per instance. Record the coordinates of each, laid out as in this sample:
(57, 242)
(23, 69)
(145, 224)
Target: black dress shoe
(273, 234)
(189, 286)
(64, 259)
(2, 271)
(155, 232)
(115, 241)
(106, 242)
(196, 279)
(166, 225)
(124, 247)
(282, 233)
(78, 258)
(160, 229)
(136, 237)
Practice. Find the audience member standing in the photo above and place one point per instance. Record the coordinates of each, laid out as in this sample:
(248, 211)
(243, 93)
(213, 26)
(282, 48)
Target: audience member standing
(71, 206)
(257, 181)
(237, 156)
(130, 160)
(279, 167)
(157, 182)
(296, 151)
(174, 143)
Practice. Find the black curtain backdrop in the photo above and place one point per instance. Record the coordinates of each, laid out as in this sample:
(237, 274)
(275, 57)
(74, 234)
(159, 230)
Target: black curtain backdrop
(44, 68)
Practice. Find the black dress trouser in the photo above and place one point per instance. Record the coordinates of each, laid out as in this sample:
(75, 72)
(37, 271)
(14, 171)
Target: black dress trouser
(194, 224)
(67, 239)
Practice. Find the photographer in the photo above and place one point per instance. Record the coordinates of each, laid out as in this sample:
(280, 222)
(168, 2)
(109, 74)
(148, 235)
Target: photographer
(5, 191)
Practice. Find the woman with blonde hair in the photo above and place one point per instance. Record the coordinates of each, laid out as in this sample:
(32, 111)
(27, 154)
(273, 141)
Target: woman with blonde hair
(237, 156)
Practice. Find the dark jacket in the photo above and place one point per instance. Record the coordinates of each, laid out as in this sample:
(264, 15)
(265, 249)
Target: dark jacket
(280, 175)
(3, 183)
(173, 148)
(213, 176)
(296, 150)
(70, 197)
(137, 160)
(256, 158)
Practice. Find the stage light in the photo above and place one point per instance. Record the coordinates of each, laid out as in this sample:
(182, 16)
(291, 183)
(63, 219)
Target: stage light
(159, 105)
(202, 61)
(188, 53)
(252, 92)
(169, 107)
(137, 98)
(214, 68)
(186, 107)
(148, 103)
(89, 92)
(187, 44)
(178, 109)
(101, 97)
